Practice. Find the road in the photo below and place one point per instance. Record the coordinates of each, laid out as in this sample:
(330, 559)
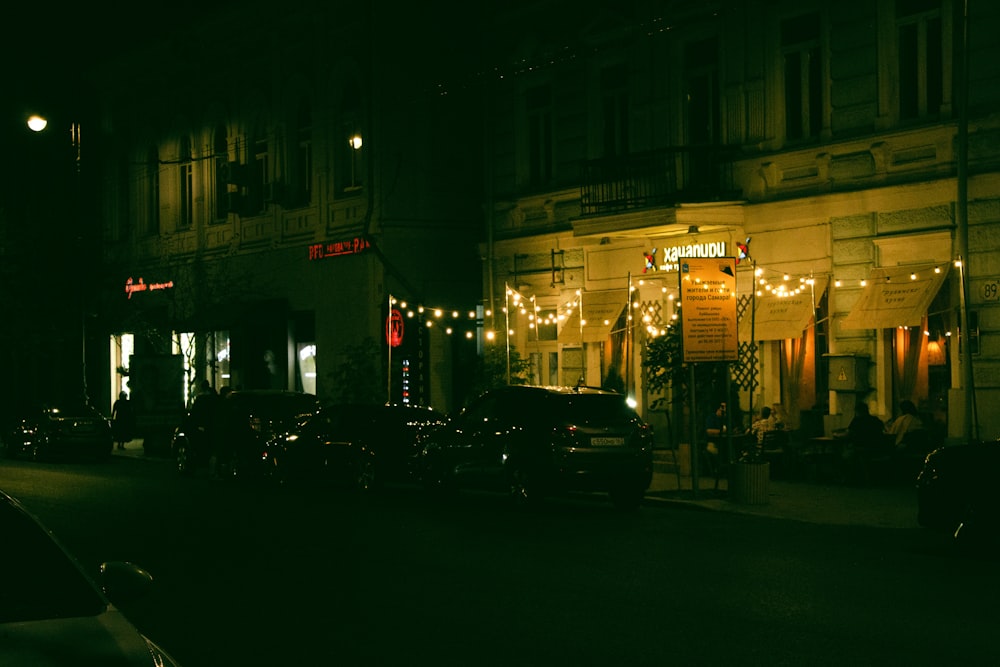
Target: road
(324, 576)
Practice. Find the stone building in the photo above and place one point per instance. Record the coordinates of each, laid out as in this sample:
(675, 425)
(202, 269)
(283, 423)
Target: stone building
(828, 144)
(276, 181)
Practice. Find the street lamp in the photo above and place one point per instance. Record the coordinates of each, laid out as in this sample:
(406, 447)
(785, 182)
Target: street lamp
(38, 123)
(355, 143)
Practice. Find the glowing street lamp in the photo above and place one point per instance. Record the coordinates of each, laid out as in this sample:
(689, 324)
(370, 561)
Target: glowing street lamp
(37, 123)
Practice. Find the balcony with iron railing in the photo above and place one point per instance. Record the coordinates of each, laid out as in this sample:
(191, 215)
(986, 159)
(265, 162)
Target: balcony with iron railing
(663, 177)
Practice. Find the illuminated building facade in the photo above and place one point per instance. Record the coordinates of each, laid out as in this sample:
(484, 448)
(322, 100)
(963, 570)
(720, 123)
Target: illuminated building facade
(824, 142)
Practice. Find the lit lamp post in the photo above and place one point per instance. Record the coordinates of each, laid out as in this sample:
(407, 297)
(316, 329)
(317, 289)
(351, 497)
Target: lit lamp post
(355, 143)
(37, 123)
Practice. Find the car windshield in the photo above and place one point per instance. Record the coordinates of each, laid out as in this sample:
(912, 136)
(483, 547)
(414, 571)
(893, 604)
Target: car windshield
(592, 409)
(37, 579)
(75, 411)
(277, 407)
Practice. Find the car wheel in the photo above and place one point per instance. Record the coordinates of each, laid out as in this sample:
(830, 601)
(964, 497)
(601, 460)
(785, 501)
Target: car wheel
(524, 488)
(627, 498)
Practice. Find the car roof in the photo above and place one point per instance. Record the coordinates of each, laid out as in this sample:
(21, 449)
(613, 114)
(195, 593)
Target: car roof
(558, 390)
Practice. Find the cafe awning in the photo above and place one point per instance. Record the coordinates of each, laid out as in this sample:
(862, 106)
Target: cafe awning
(779, 317)
(601, 310)
(896, 297)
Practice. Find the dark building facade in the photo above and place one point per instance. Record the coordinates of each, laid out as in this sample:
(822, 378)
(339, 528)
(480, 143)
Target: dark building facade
(276, 181)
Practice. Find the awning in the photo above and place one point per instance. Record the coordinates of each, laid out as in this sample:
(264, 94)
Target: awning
(601, 311)
(896, 297)
(780, 317)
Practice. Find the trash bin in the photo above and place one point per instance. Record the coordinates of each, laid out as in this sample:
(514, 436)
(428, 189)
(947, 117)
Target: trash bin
(750, 483)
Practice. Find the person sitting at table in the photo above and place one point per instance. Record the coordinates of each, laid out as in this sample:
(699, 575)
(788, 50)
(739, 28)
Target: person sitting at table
(865, 429)
(865, 444)
(778, 414)
(763, 425)
(907, 422)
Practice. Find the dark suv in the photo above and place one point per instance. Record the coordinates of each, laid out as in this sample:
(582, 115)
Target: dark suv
(361, 444)
(536, 441)
(234, 429)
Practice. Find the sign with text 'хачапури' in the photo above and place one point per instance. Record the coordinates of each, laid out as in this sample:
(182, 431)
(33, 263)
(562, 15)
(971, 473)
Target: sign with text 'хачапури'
(708, 302)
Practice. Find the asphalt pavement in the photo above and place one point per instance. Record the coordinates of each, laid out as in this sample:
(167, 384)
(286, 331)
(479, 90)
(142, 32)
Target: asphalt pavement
(885, 505)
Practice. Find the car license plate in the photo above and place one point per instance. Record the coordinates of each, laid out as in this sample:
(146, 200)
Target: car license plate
(607, 442)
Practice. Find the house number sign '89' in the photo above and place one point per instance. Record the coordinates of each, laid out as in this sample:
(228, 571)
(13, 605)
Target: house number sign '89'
(989, 290)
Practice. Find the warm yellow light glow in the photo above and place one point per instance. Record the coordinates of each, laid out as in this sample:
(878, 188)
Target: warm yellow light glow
(355, 142)
(36, 123)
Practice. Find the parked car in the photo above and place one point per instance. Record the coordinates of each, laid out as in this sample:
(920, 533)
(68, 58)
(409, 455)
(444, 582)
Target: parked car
(53, 613)
(235, 430)
(61, 431)
(362, 445)
(535, 441)
(955, 491)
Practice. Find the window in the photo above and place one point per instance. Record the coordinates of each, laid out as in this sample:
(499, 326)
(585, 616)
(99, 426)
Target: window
(539, 118)
(800, 52)
(259, 181)
(348, 149)
(221, 150)
(614, 111)
(701, 63)
(921, 58)
(302, 186)
(546, 325)
(701, 60)
(185, 215)
(151, 217)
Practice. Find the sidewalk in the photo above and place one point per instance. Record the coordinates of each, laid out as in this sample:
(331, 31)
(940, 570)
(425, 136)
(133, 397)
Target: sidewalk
(890, 506)
(877, 506)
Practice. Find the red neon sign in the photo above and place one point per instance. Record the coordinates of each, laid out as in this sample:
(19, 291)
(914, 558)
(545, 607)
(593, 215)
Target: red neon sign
(338, 248)
(133, 286)
(394, 328)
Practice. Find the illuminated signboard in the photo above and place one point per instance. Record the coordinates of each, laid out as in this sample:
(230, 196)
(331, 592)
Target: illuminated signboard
(708, 300)
(669, 258)
(338, 248)
(394, 328)
(133, 286)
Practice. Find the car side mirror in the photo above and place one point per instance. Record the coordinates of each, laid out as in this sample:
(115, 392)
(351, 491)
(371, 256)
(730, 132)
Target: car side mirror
(122, 581)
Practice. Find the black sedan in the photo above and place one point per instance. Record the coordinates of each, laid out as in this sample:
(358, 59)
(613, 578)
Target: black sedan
(61, 431)
(956, 494)
(52, 613)
(361, 445)
(229, 434)
(536, 441)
